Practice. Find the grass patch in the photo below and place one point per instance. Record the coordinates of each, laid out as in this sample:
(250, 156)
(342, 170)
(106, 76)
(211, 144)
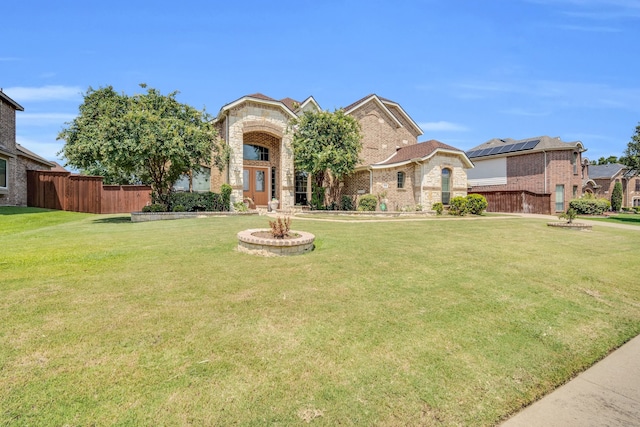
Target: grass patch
(630, 219)
(105, 321)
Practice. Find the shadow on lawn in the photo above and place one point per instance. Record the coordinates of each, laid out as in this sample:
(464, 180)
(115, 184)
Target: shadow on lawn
(113, 220)
(634, 220)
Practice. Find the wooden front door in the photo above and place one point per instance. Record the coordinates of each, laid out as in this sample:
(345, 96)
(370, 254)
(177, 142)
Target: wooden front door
(256, 184)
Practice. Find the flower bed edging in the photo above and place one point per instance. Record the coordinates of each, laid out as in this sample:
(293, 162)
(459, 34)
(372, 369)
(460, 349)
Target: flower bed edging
(571, 226)
(301, 244)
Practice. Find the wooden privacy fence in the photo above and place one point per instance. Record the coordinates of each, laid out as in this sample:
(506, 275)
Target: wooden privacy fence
(80, 193)
(516, 201)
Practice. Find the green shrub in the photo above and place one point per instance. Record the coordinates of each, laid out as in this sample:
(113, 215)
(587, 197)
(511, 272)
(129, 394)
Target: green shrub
(616, 197)
(458, 206)
(179, 208)
(569, 215)
(637, 209)
(346, 203)
(367, 203)
(438, 207)
(198, 202)
(317, 197)
(590, 206)
(155, 207)
(240, 207)
(225, 192)
(476, 204)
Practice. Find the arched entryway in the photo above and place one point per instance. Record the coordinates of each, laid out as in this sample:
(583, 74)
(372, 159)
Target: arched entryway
(260, 160)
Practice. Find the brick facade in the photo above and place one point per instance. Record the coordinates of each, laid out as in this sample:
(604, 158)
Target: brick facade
(262, 121)
(380, 134)
(543, 172)
(18, 160)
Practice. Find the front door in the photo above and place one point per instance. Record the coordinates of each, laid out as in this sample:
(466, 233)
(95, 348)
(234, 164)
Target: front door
(256, 184)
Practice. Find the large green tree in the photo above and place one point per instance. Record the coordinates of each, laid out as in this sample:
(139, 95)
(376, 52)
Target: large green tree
(327, 146)
(149, 138)
(631, 156)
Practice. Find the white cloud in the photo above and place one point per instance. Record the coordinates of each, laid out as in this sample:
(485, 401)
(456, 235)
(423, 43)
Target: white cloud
(442, 126)
(44, 93)
(589, 28)
(554, 93)
(525, 113)
(43, 119)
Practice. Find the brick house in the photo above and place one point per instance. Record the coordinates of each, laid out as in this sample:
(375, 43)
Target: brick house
(15, 160)
(546, 169)
(602, 179)
(393, 163)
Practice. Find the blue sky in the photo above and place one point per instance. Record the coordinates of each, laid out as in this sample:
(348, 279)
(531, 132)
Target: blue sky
(466, 71)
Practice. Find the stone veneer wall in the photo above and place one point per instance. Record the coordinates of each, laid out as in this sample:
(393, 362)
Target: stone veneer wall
(432, 179)
(254, 117)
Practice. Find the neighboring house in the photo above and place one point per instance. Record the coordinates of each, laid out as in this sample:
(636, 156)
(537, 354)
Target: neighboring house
(15, 160)
(394, 165)
(602, 179)
(545, 168)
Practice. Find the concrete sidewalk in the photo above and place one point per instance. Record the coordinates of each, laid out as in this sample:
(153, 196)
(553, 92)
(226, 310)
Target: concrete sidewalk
(607, 394)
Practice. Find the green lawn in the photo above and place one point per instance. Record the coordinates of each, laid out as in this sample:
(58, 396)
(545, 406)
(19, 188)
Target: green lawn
(105, 322)
(630, 219)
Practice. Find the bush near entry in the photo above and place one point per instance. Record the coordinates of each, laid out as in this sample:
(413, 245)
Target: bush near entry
(368, 203)
(476, 204)
(458, 206)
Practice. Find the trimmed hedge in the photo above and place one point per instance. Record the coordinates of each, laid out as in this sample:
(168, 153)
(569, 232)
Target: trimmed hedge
(590, 206)
(199, 202)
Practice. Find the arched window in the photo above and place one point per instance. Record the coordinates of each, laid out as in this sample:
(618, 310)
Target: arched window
(400, 179)
(446, 186)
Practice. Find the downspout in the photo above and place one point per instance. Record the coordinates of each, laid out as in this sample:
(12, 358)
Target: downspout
(370, 180)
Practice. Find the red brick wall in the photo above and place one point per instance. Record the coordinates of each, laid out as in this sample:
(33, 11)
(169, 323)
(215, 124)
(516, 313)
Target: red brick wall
(527, 172)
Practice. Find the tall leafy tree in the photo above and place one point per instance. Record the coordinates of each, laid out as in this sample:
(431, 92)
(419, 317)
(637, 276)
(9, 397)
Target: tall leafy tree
(327, 146)
(149, 138)
(631, 156)
(616, 197)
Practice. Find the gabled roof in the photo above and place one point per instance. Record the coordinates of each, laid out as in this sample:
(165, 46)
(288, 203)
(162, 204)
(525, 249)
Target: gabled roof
(33, 156)
(608, 171)
(309, 100)
(508, 147)
(259, 98)
(420, 152)
(10, 101)
(385, 104)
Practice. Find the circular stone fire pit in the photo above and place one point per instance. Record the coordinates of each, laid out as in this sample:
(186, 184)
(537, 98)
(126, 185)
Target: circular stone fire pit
(256, 241)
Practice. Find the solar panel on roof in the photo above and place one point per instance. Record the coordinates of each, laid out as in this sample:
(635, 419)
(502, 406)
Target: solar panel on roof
(531, 144)
(506, 148)
(518, 146)
(509, 148)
